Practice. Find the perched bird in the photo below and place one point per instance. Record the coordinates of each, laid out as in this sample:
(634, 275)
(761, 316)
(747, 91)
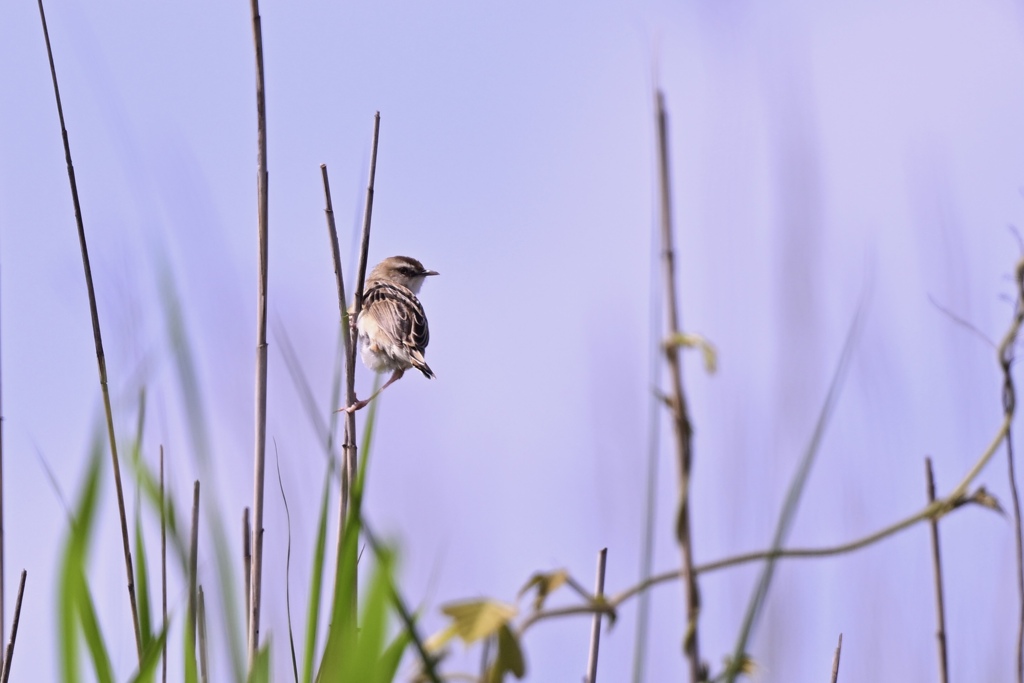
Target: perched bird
(392, 327)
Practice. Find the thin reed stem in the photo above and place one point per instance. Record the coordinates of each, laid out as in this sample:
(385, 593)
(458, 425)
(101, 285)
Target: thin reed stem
(98, 341)
(835, 660)
(940, 603)
(14, 629)
(259, 457)
(349, 445)
(193, 567)
(1006, 358)
(163, 564)
(247, 560)
(680, 413)
(595, 626)
(204, 666)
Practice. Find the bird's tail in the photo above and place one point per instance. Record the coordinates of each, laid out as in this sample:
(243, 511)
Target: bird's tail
(421, 365)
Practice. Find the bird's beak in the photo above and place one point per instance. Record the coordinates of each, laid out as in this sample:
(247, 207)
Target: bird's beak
(431, 272)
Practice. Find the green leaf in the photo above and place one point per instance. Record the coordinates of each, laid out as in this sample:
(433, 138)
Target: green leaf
(316, 581)
(94, 638)
(261, 666)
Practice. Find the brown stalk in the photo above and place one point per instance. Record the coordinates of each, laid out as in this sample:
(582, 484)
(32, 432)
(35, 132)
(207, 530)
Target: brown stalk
(98, 341)
(193, 566)
(835, 660)
(595, 626)
(680, 414)
(1006, 358)
(204, 667)
(940, 603)
(349, 445)
(259, 457)
(14, 629)
(163, 563)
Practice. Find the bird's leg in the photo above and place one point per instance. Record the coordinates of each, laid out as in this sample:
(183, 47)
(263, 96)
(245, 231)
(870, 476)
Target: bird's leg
(359, 405)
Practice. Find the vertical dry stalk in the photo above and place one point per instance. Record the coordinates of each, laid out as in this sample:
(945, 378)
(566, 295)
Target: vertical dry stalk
(349, 445)
(261, 344)
(247, 560)
(835, 660)
(193, 565)
(350, 357)
(14, 629)
(163, 564)
(595, 626)
(1006, 358)
(204, 670)
(940, 603)
(98, 341)
(680, 414)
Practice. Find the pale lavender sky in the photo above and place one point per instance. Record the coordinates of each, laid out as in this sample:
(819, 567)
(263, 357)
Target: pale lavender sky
(818, 154)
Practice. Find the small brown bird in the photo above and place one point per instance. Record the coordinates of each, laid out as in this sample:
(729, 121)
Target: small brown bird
(392, 327)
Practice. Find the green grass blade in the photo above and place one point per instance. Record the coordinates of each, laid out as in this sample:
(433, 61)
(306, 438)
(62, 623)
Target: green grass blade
(790, 505)
(151, 659)
(142, 584)
(94, 637)
(316, 582)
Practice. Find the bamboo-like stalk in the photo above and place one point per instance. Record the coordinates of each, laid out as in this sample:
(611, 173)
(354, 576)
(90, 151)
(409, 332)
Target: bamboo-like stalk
(940, 603)
(259, 457)
(247, 560)
(14, 629)
(163, 564)
(835, 660)
(204, 666)
(349, 445)
(350, 356)
(680, 414)
(193, 567)
(98, 341)
(1006, 358)
(595, 626)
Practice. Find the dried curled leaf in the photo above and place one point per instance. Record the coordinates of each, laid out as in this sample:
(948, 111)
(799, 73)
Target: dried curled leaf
(546, 584)
(509, 658)
(692, 340)
(475, 620)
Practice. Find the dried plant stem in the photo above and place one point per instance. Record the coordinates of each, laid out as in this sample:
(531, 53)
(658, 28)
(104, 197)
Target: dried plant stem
(14, 629)
(1006, 357)
(349, 445)
(163, 564)
(247, 560)
(98, 340)
(193, 566)
(680, 414)
(595, 626)
(940, 604)
(259, 457)
(835, 660)
(204, 667)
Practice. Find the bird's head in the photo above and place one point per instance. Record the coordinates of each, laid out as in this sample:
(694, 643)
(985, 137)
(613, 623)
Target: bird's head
(402, 270)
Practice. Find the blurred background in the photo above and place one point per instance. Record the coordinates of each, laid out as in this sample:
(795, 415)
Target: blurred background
(822, 158)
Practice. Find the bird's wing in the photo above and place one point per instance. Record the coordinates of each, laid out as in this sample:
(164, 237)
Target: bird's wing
(397, 314)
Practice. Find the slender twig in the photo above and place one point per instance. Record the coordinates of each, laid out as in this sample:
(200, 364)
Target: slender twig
(14, 629)
(287, 564)
(1006, 358)
(940, 603)
(193, 567)
(247, 560)
(595, 627)
(98, 341)
(346, 337)
(350, 359)
(680, 413)
(835, 660)
(259, 457)
(163, 563)
(204, 667)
